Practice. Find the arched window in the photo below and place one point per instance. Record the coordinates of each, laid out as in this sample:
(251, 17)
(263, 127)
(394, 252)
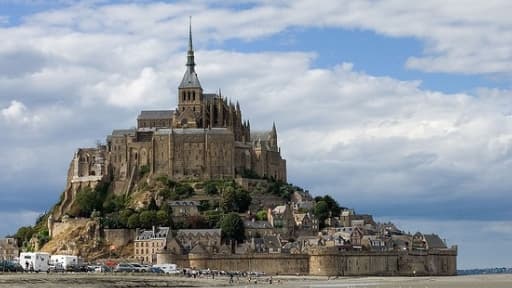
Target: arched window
(193, 95)
(183, 95)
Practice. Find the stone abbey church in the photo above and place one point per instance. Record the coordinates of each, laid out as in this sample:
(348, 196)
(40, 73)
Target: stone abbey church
(205, 137)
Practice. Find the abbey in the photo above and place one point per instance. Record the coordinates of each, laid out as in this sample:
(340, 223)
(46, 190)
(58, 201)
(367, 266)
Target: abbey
(205, 137)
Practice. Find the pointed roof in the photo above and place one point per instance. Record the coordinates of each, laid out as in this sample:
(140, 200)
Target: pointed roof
(190, 79)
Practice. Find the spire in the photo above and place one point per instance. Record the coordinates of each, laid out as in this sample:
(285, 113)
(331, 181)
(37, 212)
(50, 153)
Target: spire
(190, 54)
(274, 131)
(190, 79)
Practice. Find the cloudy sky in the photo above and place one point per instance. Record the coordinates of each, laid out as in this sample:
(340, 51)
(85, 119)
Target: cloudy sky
(397, 108)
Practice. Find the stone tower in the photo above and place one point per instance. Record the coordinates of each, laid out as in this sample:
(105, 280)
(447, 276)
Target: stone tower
(190, 92)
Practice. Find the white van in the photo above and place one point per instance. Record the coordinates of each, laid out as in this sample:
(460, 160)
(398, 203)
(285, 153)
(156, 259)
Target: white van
(168, 268)
(68, 262)
(34, 261)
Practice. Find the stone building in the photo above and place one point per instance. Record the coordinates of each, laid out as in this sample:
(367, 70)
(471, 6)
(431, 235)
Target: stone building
(204, 137)
(9, 249)
(184, 208)
(149, 242)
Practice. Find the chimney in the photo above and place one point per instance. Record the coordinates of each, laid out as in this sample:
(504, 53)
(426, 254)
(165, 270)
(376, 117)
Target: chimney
(154, 230)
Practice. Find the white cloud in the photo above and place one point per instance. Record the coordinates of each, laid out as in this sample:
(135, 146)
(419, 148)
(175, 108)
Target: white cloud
(17, 113)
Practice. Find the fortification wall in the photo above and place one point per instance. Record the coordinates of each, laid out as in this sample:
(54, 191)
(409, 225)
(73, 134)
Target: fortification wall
(439, 263)
(119, 237)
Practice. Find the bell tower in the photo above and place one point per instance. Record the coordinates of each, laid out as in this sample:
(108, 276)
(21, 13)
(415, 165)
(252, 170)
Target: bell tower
(190, 92)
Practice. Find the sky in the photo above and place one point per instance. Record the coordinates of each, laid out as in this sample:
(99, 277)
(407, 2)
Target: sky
(396, 108)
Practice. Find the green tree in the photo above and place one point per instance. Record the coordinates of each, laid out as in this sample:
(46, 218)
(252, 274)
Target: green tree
(152, 204)
(211, 189)
(162, 218)
(133, 221)
(147, 219)
(234, 199)
(261, 215)
(124, 215)
(232, 227)
(24, 234)
(321, 211)
(88, 200)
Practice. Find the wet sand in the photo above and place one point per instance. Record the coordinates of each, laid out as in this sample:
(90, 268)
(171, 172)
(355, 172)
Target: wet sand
(44, 280)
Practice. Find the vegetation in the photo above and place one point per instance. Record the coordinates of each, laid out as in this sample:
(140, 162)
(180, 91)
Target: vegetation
(325, 207)
(261, 215)
(235, 200)
(232, 227)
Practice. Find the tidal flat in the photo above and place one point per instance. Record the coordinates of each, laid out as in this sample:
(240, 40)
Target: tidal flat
(44, 280)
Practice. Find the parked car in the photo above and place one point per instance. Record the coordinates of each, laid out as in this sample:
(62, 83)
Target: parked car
(102, 268)
(156, 270)
(124, 267)
(139, 267)
(7, 266)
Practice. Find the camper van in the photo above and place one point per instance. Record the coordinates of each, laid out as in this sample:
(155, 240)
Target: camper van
(34, 261)
(68, 262)
(168, 268)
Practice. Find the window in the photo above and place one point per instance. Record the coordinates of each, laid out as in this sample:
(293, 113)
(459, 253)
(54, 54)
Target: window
(193, 95)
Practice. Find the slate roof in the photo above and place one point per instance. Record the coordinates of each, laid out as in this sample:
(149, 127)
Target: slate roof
(190, 80)
(120, 132)
(183, 203)
(257, 224)
(196, 232)
(434, 242)
(155, 114)
(260, 135)
(193, 131)
(272, 242)
(160, 232)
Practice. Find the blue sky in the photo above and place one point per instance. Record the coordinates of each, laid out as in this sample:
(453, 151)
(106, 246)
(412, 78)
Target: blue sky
(399, 109)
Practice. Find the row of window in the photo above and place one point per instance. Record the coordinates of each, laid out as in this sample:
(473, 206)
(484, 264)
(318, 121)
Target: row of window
(158, 244)
(187, 96)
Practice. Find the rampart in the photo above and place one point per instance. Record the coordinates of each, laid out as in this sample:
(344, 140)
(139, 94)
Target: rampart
(325, 263)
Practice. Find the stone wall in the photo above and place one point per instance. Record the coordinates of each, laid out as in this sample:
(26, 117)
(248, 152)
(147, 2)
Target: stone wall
(119, 237)
(438, 263)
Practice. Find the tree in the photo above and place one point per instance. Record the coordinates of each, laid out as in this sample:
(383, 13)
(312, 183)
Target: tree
(162, 218)
(232, 227)
(234, 199)
(321, 211)
(87, 200)
(147, 219)
(211, 189)
(24, 234)
(261, 215)
(152, 204)
(124, 215)
(133, 221)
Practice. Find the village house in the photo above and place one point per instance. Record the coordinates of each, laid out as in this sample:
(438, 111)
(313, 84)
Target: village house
(9, 249)
(149, 242)
(255, 228)
(281, 218)
(184, 208)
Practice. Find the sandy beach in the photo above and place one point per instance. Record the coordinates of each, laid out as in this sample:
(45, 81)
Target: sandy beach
(117, 280)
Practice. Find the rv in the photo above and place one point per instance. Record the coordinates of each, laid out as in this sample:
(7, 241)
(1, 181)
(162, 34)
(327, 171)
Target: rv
(34, 261)
(68, 262)
(168, 268)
